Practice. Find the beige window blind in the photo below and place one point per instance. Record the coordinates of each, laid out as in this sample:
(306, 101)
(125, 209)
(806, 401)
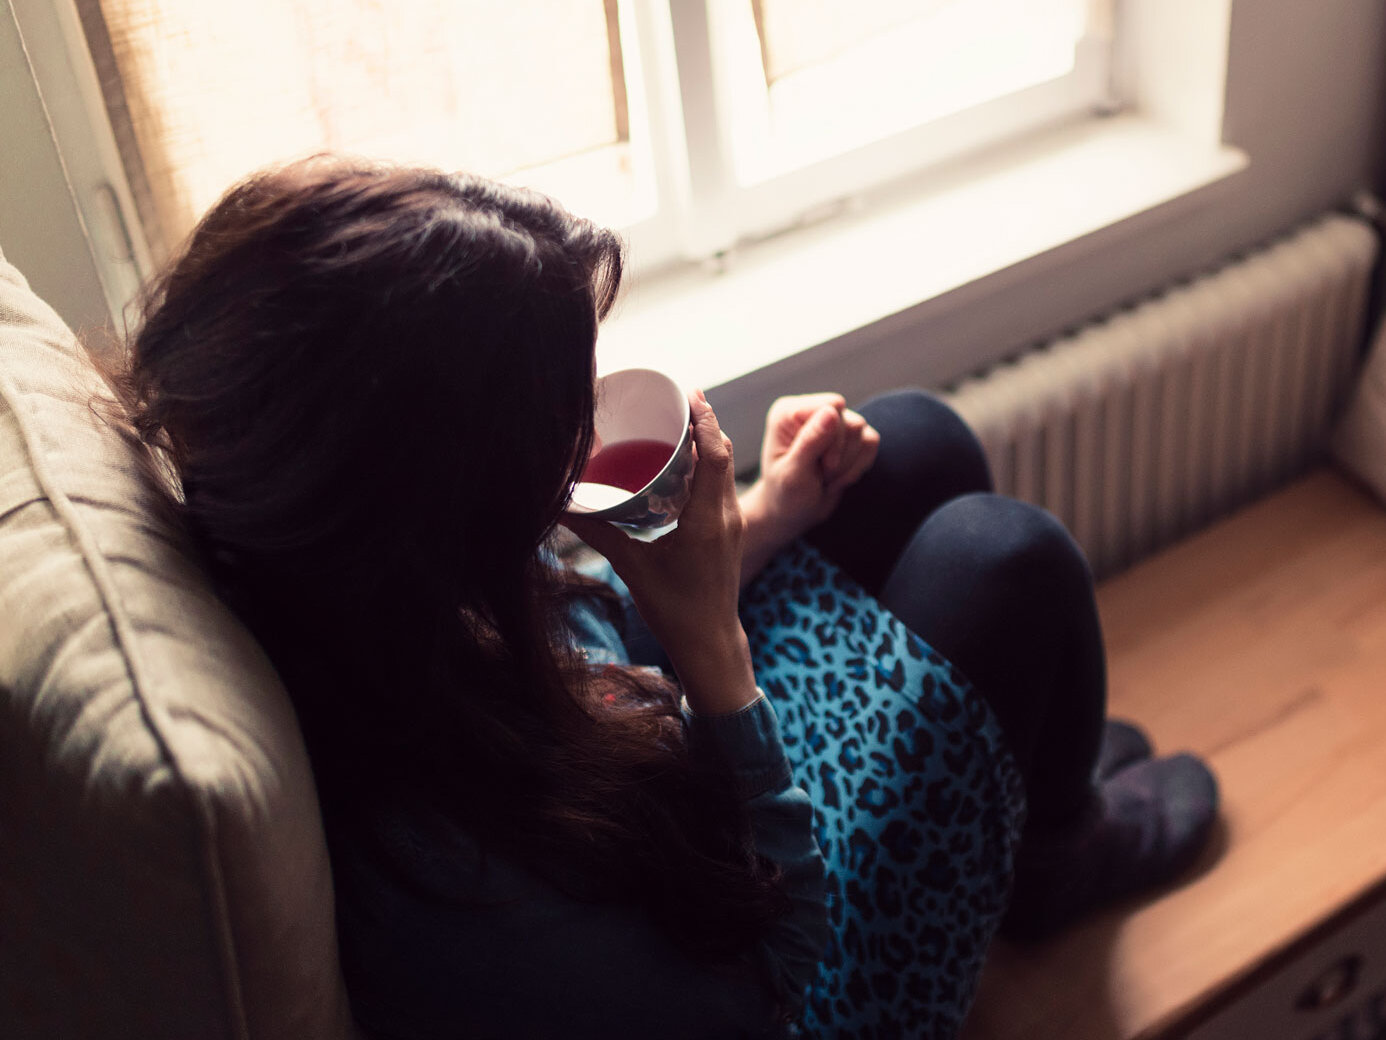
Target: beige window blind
(201, 93)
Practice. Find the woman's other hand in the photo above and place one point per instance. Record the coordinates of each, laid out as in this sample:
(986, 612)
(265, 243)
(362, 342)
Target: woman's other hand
(815, 448)
(685, 583)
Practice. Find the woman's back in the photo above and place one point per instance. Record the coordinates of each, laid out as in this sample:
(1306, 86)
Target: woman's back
(343, 355)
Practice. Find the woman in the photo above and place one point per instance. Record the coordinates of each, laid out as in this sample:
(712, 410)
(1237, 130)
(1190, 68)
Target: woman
(375, 387)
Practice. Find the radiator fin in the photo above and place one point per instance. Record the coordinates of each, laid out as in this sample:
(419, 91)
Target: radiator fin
(1154, 421)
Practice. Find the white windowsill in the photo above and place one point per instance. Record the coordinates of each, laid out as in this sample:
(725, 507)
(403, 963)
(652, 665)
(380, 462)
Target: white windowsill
(815, 284)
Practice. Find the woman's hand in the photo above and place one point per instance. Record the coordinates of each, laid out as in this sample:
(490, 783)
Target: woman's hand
(815, 448)
(685, 583)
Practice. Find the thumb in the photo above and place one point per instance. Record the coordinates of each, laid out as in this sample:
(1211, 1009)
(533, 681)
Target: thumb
(816, 438)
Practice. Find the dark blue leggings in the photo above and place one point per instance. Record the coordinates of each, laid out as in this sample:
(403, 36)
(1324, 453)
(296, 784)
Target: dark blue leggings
(995, 585)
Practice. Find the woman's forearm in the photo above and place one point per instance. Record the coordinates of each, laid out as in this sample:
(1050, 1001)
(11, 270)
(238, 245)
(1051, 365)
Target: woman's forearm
(716, 673)
(782, 826)
(764, 536)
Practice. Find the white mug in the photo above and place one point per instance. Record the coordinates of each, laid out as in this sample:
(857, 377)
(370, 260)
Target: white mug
(642, 471)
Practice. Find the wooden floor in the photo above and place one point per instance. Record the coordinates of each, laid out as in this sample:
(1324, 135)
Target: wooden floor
(1261, 645)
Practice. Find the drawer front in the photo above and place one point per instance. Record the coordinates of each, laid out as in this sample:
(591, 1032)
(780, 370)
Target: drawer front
(1335, 990)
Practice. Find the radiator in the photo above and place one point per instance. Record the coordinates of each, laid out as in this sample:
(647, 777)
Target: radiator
(1150, 423)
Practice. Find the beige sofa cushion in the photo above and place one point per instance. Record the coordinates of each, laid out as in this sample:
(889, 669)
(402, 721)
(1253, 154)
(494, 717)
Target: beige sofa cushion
(162, 866)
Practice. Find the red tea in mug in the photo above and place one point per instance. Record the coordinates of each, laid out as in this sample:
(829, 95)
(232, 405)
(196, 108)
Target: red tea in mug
(628, 465)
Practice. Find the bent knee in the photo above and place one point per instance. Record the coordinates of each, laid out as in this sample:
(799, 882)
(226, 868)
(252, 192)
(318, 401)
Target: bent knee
(921, 431)
(1012, 540)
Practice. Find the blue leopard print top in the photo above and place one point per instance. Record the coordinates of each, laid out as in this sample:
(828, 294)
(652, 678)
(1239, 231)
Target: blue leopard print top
(918, 803)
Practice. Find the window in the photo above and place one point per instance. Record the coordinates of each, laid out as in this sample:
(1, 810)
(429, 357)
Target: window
(202, 92)
(690, 124)
(836, 77)
(818, 99)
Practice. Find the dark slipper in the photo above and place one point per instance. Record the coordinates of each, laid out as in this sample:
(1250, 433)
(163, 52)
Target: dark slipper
(1123, 744)
(1145, 827)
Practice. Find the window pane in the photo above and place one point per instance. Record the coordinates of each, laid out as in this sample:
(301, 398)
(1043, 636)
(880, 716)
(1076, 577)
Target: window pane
(215, 90)
(796, 34)
(841, 73)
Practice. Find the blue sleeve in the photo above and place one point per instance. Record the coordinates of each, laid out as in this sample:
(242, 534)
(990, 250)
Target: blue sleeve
(747, 742)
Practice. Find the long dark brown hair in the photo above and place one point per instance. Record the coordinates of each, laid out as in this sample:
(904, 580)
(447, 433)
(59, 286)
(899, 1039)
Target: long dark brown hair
(375, 385)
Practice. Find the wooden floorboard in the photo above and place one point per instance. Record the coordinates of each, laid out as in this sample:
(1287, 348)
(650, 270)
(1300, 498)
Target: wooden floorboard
(1260, 644)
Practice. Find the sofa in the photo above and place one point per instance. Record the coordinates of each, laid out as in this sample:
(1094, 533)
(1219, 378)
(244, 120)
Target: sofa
(163, 871)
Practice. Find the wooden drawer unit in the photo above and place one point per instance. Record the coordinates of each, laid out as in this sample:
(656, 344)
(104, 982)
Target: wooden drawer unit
(1330, 986)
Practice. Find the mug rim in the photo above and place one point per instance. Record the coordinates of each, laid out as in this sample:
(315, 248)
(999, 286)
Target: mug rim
(607, 512)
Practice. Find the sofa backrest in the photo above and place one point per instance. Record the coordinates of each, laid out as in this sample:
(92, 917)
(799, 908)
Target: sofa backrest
(163, 871)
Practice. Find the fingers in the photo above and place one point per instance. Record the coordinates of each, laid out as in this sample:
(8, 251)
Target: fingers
(832, 457)
(865, 442)
(854, 428)
(801, 406)
(838, 444)
(787, 416)
(714, 476)
(714, 446)
(818, 439)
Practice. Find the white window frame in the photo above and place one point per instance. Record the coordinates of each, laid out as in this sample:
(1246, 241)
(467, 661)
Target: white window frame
(719, 211)
(56, 46)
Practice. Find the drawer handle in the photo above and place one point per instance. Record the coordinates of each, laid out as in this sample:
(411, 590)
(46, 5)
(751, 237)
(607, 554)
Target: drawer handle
(1333, 985)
